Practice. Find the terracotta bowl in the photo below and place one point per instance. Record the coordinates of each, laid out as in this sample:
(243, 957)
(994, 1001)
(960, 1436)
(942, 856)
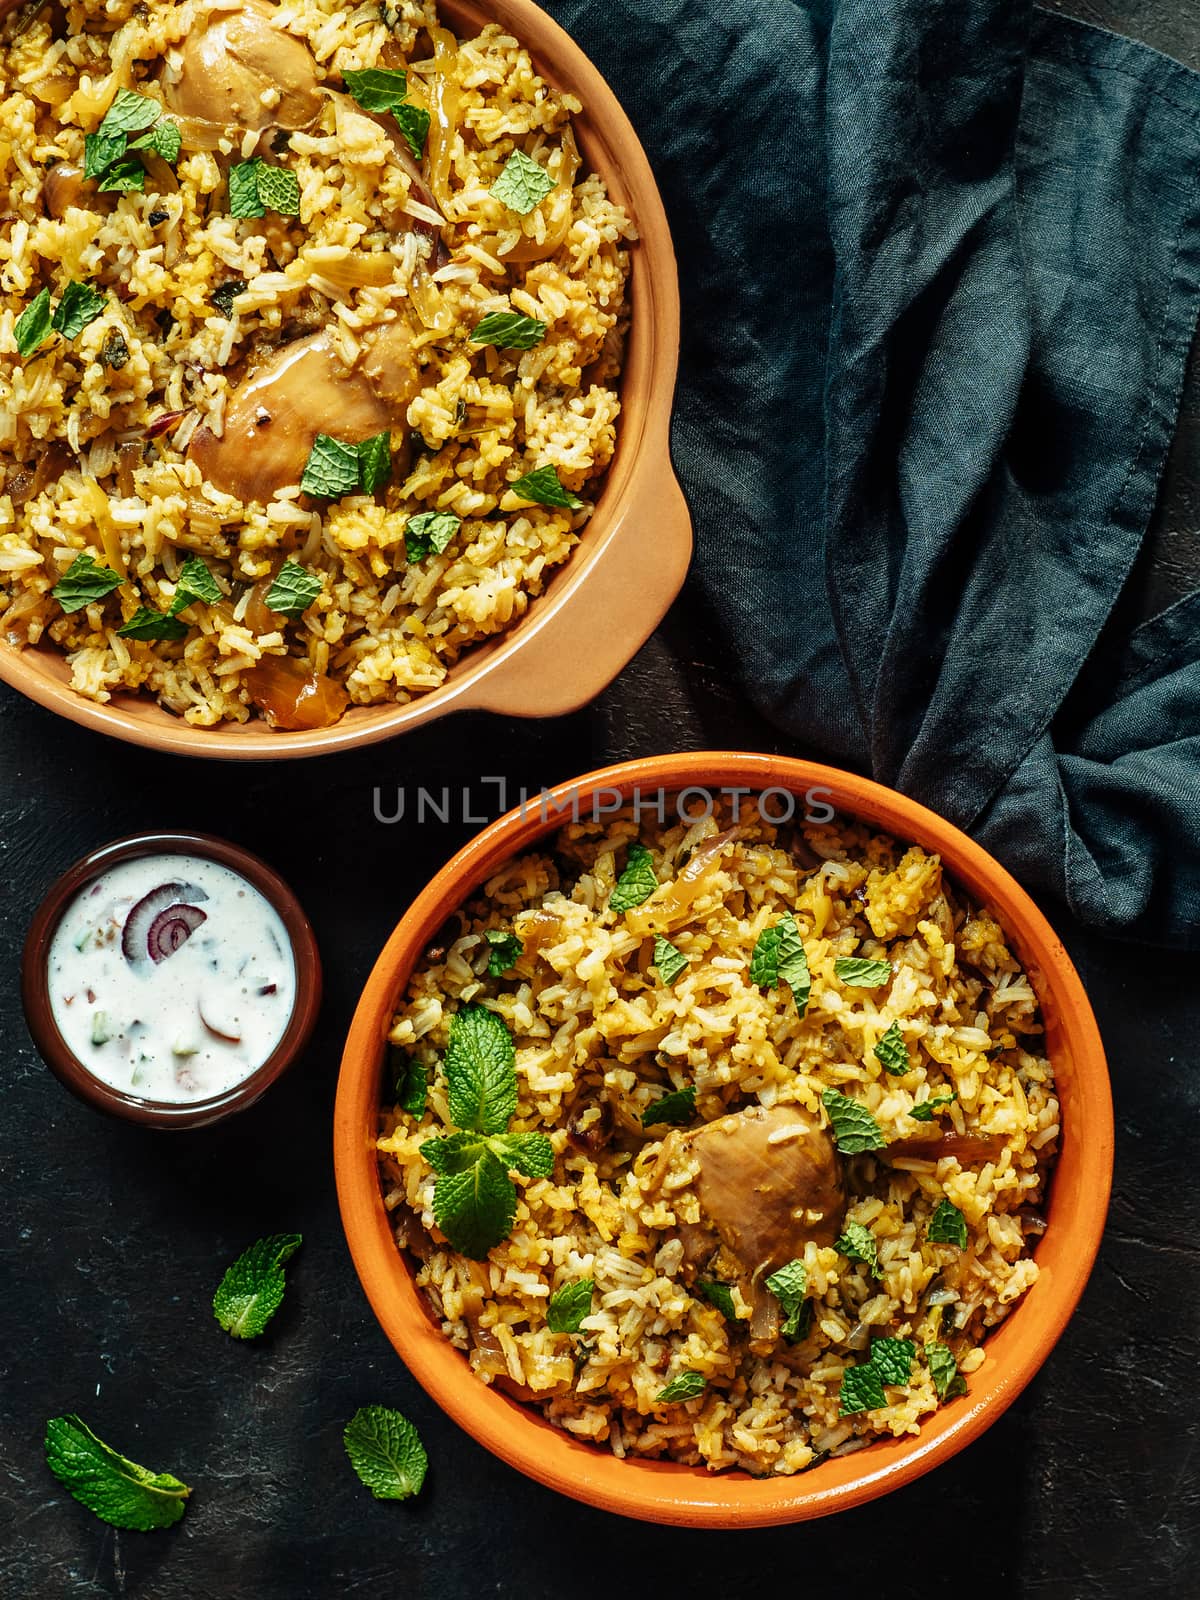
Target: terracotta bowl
(59, 1056)
(665, 1491)
(631, 559)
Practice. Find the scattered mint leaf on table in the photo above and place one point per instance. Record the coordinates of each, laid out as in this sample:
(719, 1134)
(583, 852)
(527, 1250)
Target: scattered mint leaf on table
(668, 958)
(686, 1386)
(294, 589)
(948, 1225)
(857, 1243)
(251, 1291)
(719, 1295)
(509, 330)
(522, 184)
(569, 1305)
(854, 1128)
(927, 1109)
(861, 972)
(505, 951)
(892, 1052)
(32, 328)
(943, 1369)
(116, 1489)
(543, 487)
(83, 582)
(677, 1108)
(386, 1451)
(429, 532)
(638, 881)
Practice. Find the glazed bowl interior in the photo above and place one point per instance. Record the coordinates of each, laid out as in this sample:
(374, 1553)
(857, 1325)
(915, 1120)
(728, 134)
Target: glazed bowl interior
(661, 1491)
(535, 668)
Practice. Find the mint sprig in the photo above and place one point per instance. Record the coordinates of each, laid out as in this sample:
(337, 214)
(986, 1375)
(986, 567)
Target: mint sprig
(543, 487)
(857, 1243)
(83, 582)
(568, 1306)
(504, 953)
(947, 1225)
(685, 1386)
(108, 153)
(382, 89)
(862, 1385)
(892, 1052)
(860, 972)
(385, 1450)
(677, 1108)
(854, 1128)
(251, 1291)
(637, 882)
(335, 467)
(669, 960)
(522, 184)
(119, 1491)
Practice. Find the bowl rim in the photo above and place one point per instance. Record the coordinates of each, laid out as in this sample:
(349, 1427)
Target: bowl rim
(639, 487)
(62, 1060)
(668, 1492)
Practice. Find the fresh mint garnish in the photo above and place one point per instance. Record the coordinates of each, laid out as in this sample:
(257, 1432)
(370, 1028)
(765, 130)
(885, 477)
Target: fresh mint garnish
(677, 1109)
(943, 1369)
(126, 176)
(947, 1225)
(505, 951)
(789, 1286)
(543, 487)
(386, 1452)
(119, 1491)
(80, 304)
(638, 881)
(255, 188)
(893, 1359)
(83, 582)
(522, 184)
(861, 972)
(429, 533)
(32, 328)
(857, 1243)
(129, 113)
(376, 88)
(892, 1053)
(927, 1109)
(374, 461)
(509, 330)
(778, 956)
(668, 958)
(195, 582)
(294, 589)
(335, 468)
(686, 1386)
(413, 123)
(862, 1386)
(481, 1071)
(719, 1295)
(163, 138)
(569, 1305)
(410, 1081)
(146, 623)
(251, 1291)
(854, 1128)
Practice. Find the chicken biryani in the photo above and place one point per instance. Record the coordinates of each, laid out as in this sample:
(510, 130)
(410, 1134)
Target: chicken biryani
(311, 323)
(721, 1141)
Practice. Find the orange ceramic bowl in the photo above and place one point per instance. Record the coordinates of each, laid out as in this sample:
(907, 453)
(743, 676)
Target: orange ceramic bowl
(665, 1491)
(631, 559)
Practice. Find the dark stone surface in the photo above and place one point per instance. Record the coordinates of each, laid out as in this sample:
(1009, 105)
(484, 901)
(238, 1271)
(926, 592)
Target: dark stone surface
(114, 1238)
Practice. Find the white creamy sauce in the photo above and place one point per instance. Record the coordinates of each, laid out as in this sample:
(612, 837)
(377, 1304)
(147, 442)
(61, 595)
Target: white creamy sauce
(171, 978)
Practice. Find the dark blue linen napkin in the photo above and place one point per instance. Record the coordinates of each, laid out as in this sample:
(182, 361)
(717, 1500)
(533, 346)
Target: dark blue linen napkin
(940, 264)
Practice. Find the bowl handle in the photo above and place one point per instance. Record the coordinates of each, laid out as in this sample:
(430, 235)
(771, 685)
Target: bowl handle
(581, 645)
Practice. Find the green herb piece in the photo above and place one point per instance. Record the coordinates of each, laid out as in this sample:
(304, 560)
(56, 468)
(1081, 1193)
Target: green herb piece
(475, 1208)
(854, 1128)
(225, 294)
(164, 139)
(719, 1295)
(84, 581)
(243, 190)
(429, 532)
(100, 150)
(410, 1081)
(147, 623)
(893, 1359)
(129, 113)
(926, 1110)
(569, 1305)
(251, 1291)
(857, 1243)
(481, 1072)
(862, 1389)
(279, 190)
(677, 1109)
(114, 352)
(376, 88)
(523, 184)
(195, 582)
(374, 461)
(505, 951)
(32, 327)
(789, 1286)
(947, 1226)
(778, 954)
(638, 881)
(668, 958)
(413, 123)
(862, 973)
(543, 488)
(530, 1154)
(80, 304)
(294, 589)
(686, 1386)
(119, 1491)
(125, 176)
(386, 1452)
(943, 1369)
(892, 1052)
(455, 1152)
(332, 468)
(509, 330)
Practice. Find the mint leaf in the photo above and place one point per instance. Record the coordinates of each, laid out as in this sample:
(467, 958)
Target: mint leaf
(410, 1081)
(80, 304)
(376, 88)
(84, 581)
(129, 113)
(386, 1452)
(278, 190)
(854, 1128)
(684, 1387)
(251, 1291)
(523, 184)
(225, 294)
(677, 1109)
(778, 954)
(893, 1359)
(719, 1295)
(857, 1243)
(429, 532)
(475, 1208)
(638, 881)
(147, 623)
(164, 139)
(926, 1110)
(294, 589)
(943, 1369)
(119, 1491)
(789, 1286)
(892, 1053)
(195, 582)
(125, 176)
(530, 1154)
(243, 189)
(456, 1152)
(413, 123)
(862, 1390)
(331, 469)
(668, 958)
(569, 1305)
(862, 973)
(100, 150)
(32, 327)
(509, 330)
(481, 1073)
(543, 488)
(374, 461)
(947, 1226)
(506, 950)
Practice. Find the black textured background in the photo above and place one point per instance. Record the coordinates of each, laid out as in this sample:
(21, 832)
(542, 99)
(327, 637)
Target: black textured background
(112, 1239)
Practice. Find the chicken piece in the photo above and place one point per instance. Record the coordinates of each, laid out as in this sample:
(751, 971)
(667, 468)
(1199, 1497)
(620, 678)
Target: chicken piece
(241, 69)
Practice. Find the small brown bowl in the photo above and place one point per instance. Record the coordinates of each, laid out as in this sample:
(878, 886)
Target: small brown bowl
(62, 1061)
